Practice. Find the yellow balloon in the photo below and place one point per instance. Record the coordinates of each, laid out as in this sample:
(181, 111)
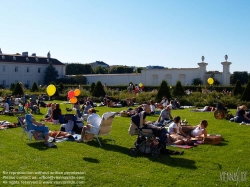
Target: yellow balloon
(73, 100)
(210, 80)
(140, 85)
(77, 92)
(51, 90)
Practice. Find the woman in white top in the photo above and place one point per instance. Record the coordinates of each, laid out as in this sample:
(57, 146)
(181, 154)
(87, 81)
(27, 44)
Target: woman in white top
(200, 130)
(152, 107)
(177, 136)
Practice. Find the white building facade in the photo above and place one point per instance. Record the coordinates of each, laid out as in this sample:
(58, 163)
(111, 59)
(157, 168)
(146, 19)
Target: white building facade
(26, 69)
(153, 77)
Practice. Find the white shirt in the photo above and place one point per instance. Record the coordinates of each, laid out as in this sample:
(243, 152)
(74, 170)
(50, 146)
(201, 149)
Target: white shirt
(6, 107)
(152, 108)
(95, 121)
(197, 131)
(174, 126)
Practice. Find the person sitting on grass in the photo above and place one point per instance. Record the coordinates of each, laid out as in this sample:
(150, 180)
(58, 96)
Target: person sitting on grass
(175, 128)
(32, 124)
(165, 114)
(93, 124)
(241, 115)
(200, 130)
(6, 107)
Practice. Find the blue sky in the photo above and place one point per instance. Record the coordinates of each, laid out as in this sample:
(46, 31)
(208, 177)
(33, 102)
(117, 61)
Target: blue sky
(169, 33)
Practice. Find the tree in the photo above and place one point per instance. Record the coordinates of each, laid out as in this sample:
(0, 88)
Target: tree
(18, 90)
(121, 69)
(163, 91)
(92, 87)
(101, 70)
(238, 89)
(178, 89)
(138, 70)
(60, 87)
(246, 94)
(34, 87)
(98, 90)
(78, 69)
(50, 74)
(197, 81)
(242, 76)
(216, 82)
(12, 86)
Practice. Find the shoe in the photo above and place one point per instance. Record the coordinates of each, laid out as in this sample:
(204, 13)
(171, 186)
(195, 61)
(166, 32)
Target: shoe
(242, 123)
(51, 144)
(79, 141)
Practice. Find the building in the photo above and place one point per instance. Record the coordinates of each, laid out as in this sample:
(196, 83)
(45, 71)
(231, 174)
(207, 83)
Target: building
(153, 77)
(26, 69)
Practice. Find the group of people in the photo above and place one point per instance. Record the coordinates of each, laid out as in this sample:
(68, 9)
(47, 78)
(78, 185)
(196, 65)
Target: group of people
(174, 134)
(175, 104)
(93, 124)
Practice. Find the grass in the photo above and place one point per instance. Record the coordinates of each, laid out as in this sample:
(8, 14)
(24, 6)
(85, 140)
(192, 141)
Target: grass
(112, 165)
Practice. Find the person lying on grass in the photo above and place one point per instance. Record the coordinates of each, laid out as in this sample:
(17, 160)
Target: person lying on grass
(60, 134)
(5, 125)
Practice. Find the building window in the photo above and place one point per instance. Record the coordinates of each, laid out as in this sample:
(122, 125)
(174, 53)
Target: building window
(39, 83)
(4, 83)
(28, 69)
(39, 70)
(28, 84)
(16, 69)
(3, 68)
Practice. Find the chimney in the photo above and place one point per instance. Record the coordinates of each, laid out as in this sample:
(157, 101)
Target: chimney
(25, 53)
(33, 54)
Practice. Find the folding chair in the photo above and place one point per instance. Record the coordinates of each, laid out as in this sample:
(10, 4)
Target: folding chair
(30, 133)
(104, 129)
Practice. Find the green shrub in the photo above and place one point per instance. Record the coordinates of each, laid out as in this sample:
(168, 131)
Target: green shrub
(98, 90)
(238, 90)
(163, 91)
(178, 89)
(246, 93)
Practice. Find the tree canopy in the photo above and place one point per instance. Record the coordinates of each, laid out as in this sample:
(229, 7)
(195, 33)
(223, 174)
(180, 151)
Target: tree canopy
(78, 69)
(50, 74)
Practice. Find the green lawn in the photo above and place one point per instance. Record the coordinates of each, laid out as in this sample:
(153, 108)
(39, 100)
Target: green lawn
(226, 164)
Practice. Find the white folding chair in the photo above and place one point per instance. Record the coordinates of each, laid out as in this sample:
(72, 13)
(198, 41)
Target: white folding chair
(104, 129)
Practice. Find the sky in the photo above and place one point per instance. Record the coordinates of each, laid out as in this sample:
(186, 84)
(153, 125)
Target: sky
(169, 33)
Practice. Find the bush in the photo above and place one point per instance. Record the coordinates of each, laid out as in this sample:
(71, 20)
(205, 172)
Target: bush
(18, 90)
(178, 89)
(34, 87)
(98, 90)
(163, 91)
(238, 90)
(246, 93)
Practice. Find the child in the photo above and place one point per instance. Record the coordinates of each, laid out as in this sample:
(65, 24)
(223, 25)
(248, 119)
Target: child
(200, 130)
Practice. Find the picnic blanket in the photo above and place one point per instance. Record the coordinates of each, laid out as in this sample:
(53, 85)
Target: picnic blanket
(196, 143)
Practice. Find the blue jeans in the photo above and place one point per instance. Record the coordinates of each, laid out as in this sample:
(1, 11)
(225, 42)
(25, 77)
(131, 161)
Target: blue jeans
(239, 119)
